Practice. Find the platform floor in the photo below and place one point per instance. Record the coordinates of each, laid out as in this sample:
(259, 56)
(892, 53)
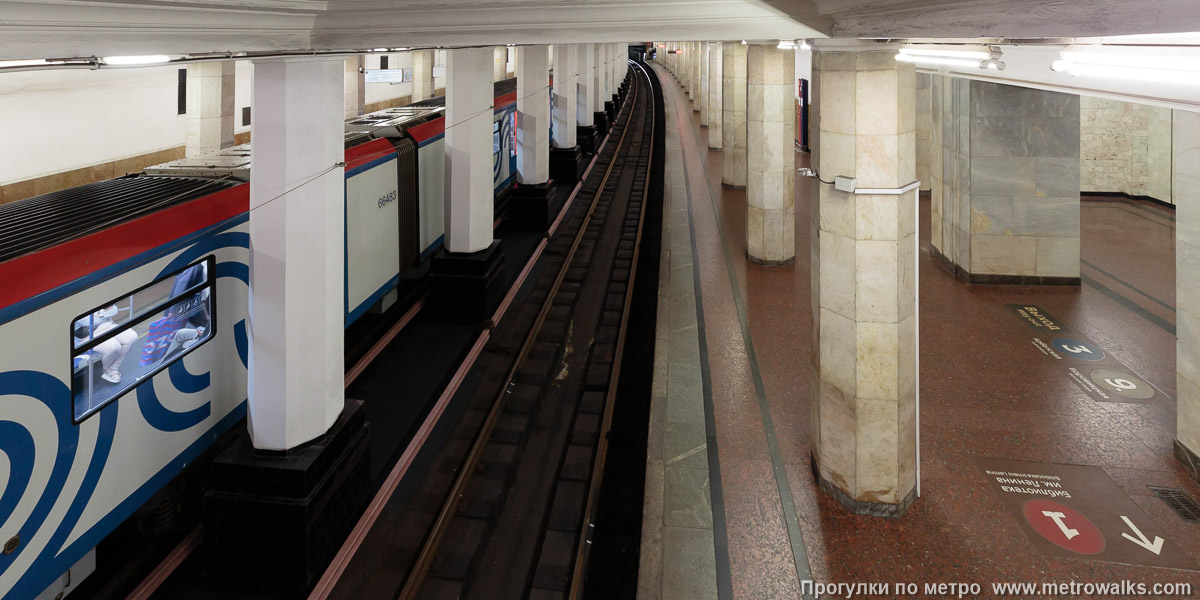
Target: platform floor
(731, 508)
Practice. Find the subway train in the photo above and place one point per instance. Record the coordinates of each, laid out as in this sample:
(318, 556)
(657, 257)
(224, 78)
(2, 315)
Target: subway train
(123, 341)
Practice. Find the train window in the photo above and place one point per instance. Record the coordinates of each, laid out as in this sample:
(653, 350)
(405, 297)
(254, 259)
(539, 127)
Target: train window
(512, 134)
(127, 340)
(495, 137)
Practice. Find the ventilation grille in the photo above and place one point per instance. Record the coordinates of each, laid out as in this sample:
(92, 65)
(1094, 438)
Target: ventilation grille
(1179, 501)
(37, 223)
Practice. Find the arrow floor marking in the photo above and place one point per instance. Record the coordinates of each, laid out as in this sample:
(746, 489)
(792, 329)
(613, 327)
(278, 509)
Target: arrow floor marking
(1141, 539)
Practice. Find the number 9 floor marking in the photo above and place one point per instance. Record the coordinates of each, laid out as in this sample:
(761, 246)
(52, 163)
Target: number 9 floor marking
(1125, 384)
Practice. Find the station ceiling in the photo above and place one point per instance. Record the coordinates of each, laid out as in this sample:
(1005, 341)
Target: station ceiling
(75, 28)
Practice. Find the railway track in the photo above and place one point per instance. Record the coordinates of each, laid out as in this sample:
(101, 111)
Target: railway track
(508, 504)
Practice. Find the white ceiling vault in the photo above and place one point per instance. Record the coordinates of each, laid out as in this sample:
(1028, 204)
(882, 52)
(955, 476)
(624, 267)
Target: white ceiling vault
(76, 28)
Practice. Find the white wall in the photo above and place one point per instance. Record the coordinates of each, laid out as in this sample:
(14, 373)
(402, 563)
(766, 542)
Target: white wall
(1125, 147)
(55, 121)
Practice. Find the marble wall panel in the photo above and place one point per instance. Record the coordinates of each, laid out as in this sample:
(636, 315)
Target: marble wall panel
(1186, 184)
(1125, 148)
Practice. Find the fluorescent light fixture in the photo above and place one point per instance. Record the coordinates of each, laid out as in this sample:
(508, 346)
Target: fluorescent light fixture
(1131, 66)
(786, 45)
(379, 50)
(939, 52)
(804, 45)
(1133, 61)
(150, 59)
(27, 63)
(947, 62)
(979, 57)
(744, 42)
(1179, 77)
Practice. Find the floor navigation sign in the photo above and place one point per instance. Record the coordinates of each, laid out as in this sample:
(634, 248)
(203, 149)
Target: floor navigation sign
(1074, 511)
(1095, 371)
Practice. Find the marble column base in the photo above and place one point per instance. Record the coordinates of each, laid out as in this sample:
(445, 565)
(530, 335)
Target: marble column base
(529, 206)
(274, 520)
(859, 507)
(1189, 460)
(966, 276)
(566, 164)
(768, 263)
(467, 288)
(587, 137)
(601, 119)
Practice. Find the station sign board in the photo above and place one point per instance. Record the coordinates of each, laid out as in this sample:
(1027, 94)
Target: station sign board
(388, 75)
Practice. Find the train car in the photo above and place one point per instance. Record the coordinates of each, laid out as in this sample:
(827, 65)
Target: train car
(123, 355)
(123, 340)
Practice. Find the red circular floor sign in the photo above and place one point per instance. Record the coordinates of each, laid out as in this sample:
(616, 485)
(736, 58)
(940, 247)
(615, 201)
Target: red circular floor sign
(1064, 526)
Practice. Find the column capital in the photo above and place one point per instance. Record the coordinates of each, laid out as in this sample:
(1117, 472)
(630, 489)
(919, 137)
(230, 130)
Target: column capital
(852, 45)
(303, 58)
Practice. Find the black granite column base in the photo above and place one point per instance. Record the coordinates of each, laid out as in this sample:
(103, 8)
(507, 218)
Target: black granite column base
(601, 119)
(566, 164)
(586, 136)
(764, 262)
(610, 109)
(467, 287)
(861, 507)
(616, 102)
(966, 276)
(1189, 460)
(530, 206)
(273, 521)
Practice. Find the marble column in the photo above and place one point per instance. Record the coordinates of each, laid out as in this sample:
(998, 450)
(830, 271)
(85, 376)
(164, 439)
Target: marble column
(564, 96)
(469, 201)
(770, 155)
(733, 115)
(295, 322)
(694, 84)
(1186, 184)
(715, 83)
(600, 93)
(585, 109)
(210, 107)
(1008, 207)
(355, 86)
(864, 256)
(924, 131)
(681, 74)
(533, 114)
(703, 99)
(499, 63)
(422, 78)
(688, 51)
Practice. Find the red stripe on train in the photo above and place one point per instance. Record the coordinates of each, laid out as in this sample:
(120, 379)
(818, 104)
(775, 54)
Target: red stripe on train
(27, 276)
(427, 130)
(365, 153)
(437, 126)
